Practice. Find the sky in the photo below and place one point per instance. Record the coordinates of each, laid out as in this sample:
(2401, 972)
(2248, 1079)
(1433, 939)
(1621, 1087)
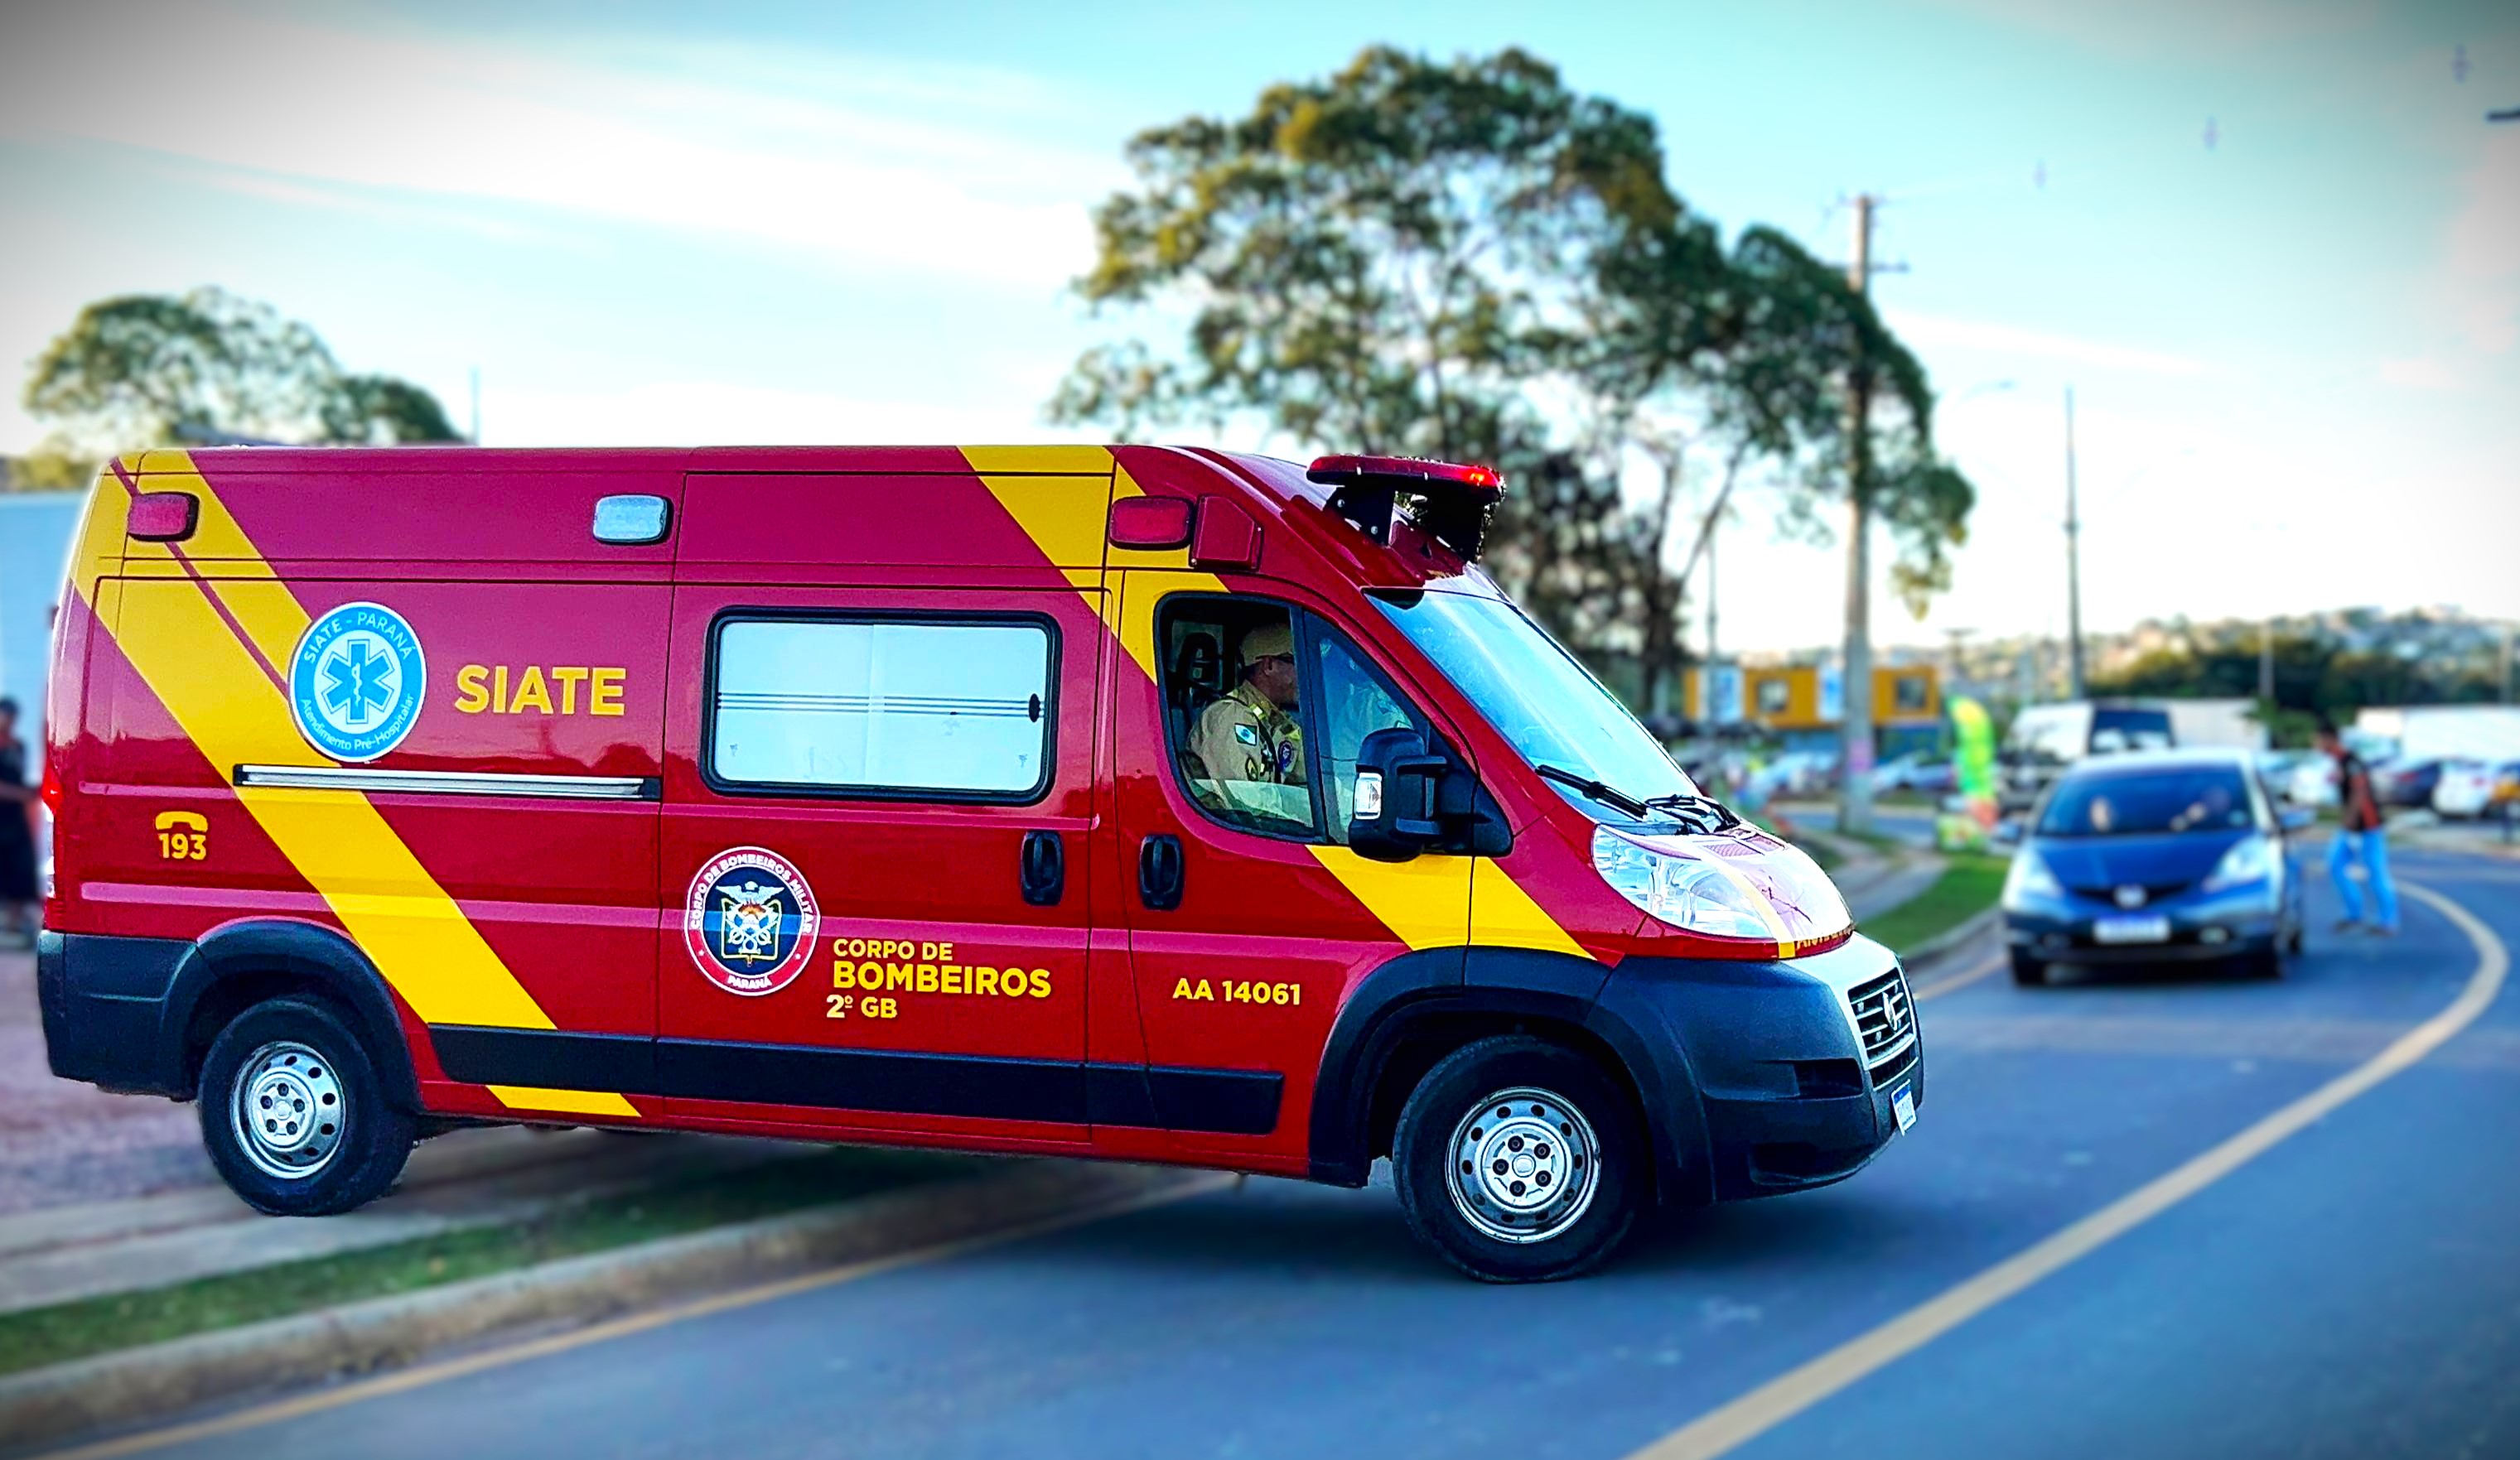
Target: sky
(2272, 248)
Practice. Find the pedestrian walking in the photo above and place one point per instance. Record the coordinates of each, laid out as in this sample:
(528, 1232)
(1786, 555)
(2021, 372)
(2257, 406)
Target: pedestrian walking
(2359, 837)
(17, 832)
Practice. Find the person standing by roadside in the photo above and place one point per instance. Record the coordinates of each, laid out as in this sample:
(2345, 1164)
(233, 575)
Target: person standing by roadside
(17, 832)
(2359, 836)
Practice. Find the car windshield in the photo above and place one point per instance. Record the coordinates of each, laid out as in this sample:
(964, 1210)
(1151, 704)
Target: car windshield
(2115, 730)
(1548, 706)
(2196, 798)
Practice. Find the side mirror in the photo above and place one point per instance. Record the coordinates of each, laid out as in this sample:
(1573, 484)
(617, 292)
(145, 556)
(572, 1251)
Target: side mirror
(1398, 783)
(2007, 833)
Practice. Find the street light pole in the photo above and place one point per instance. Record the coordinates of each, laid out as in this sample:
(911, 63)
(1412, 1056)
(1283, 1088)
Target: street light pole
(2073, 563)
(1855, 733)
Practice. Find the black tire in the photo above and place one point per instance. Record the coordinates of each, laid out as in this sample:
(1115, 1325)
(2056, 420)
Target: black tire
(301, 1058)
(1579, 1095)
(2264, 965)
(2027, 971)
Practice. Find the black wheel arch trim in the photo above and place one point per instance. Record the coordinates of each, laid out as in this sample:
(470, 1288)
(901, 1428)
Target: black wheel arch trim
(1506, 982)
(303, 951)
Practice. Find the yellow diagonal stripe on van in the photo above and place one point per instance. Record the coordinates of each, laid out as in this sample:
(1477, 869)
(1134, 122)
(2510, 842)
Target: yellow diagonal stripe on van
(1425, 902)
(1429, 901)
(392, 907)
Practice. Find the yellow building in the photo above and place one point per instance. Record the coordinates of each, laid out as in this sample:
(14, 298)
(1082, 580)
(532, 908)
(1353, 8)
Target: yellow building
(1805, 697)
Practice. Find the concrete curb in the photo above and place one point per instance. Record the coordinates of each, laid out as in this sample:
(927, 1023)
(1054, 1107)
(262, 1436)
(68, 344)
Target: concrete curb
(137, 1383)
(1942, 945)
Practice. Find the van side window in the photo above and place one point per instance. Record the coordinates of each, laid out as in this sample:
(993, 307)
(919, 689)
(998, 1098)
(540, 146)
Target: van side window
(1233, 714)
(927, 709)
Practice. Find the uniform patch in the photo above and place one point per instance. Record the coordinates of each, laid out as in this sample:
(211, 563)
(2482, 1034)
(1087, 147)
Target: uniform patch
(1246, 734)
(749, 920)
(356, 682)
(1285, 755)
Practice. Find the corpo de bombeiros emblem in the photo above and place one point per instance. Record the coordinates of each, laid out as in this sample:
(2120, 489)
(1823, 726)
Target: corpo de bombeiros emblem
(356, 680)
(751, 920)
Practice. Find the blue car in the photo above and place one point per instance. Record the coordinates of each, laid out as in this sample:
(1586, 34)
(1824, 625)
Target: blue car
(2155, 857)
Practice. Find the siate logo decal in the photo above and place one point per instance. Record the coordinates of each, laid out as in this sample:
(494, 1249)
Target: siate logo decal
(749, 920)
(356, 680)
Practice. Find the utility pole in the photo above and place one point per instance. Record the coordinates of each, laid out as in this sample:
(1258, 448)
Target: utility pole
(476, 405)
(2266, 664)
(2073, 564)
(1855, 737)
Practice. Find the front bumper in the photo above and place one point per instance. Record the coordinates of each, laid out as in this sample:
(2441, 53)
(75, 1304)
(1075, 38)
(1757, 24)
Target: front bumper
(1755, 1074)
(2202, 928)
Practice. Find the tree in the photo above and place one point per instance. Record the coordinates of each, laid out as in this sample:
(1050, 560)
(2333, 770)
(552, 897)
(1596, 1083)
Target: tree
(1396, 259)
(143, 370)
(1469, 260)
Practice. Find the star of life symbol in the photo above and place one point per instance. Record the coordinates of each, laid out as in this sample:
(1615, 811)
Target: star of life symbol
(356, 682)
(358, 679)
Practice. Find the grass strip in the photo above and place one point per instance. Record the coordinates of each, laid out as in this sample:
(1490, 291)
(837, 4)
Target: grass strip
(38, 1337)
(1970, 885)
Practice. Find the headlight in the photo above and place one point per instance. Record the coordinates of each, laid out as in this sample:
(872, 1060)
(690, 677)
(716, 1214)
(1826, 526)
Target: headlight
(1697, 894)
(2028, 878)
(2250, 860)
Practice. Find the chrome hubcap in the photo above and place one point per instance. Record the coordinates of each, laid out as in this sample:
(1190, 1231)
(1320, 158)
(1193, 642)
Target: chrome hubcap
(1524, 1165)
(288, 1109)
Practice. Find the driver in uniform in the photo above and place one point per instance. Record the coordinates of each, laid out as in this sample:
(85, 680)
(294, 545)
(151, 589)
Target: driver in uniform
(1251, 734)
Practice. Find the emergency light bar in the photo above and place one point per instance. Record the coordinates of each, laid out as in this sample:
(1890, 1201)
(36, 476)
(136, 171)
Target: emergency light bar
(1449, 501)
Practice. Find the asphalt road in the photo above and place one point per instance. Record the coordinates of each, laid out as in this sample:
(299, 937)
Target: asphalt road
(2352, 1291)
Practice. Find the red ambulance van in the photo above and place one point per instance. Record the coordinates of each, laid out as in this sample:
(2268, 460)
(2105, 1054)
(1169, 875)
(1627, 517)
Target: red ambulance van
(1151, 804)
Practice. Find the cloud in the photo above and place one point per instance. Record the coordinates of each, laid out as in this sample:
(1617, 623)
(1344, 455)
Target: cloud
(780, 149)
(2155, 28)
(2422, 372)
(1973, 334)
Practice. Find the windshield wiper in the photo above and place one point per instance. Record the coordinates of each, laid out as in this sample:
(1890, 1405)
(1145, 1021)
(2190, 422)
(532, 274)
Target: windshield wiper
(1607, 795)
(1697, 805)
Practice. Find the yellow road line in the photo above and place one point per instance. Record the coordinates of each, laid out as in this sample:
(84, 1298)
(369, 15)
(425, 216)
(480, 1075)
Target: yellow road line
(1762, 1409)
(406, 1379)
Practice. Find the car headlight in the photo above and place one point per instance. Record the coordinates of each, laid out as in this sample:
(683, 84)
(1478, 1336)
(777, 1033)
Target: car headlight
(2250, 860)
(1698, 894)
(2028, 878)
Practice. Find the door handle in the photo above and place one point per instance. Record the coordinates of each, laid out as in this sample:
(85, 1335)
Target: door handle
(1043, 868)
(1160, 872)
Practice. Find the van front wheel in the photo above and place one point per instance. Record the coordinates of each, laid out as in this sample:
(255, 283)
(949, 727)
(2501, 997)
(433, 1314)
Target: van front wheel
(294, 1115)
(1519, 1161)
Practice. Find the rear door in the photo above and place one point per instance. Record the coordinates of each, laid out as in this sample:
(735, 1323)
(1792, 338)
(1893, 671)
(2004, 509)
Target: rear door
(874, 849)
(446, 745)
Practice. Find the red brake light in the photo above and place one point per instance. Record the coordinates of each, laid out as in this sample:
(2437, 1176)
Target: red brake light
(52, 789)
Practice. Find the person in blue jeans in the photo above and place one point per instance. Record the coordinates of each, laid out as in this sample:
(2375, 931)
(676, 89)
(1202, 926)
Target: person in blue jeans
(2359, 837)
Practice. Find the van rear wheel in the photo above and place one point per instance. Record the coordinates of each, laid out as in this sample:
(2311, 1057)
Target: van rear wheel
(1518, 1160)
(294, 1115)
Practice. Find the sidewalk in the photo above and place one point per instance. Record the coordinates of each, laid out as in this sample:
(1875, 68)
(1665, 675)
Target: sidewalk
(102, 1193)
(1874, 882)
(469, 1178)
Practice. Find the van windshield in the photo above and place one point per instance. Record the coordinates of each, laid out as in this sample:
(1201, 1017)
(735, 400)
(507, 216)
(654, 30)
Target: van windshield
(1548, 706)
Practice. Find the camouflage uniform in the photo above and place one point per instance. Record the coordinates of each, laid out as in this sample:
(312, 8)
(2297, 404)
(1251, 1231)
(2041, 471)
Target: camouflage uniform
(1242, 736)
